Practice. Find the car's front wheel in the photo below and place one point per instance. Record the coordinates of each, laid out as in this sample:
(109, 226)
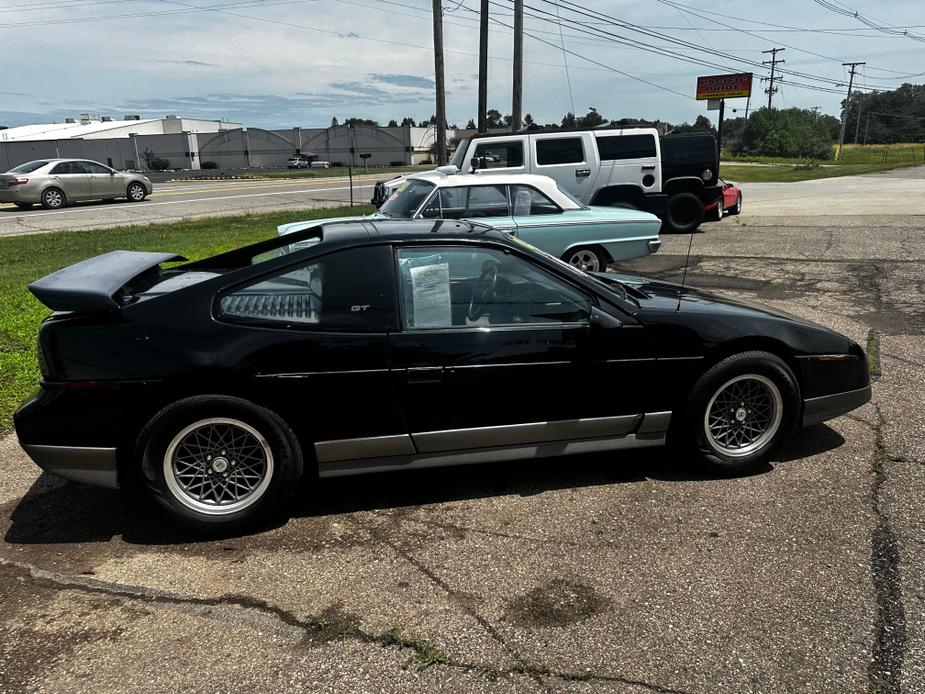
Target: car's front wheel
(220, 462)
(588, 258)
(740, 410)
(136, 192)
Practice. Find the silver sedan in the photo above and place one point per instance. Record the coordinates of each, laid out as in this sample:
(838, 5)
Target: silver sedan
(56, 182)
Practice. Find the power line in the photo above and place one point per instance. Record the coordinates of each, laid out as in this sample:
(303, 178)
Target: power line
(871, 22)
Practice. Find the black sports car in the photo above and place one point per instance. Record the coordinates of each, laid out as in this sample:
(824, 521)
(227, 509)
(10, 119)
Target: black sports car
(359, 347)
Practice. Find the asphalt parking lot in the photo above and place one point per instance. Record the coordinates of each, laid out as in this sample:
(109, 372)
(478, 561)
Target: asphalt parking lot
(190, 199)
(605, 573)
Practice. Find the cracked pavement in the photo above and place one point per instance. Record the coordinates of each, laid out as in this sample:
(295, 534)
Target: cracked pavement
(603, 573)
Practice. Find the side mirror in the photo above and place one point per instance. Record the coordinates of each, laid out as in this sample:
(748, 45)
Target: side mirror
(475, 163)
(602, 320)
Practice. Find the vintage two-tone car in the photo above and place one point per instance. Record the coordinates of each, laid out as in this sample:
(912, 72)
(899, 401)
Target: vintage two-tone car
(390, 345)
(533, 208)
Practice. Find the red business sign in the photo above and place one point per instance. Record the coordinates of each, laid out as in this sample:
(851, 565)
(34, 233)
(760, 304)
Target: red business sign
(724, 86)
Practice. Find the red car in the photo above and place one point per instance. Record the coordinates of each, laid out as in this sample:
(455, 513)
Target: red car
(732, 203)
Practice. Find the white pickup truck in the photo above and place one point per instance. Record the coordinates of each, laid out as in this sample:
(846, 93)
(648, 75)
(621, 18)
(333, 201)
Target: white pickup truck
(672, 176)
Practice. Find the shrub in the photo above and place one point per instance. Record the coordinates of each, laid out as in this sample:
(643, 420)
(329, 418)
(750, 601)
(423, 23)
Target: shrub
(209, 165)
(396, 163)
(158, 164)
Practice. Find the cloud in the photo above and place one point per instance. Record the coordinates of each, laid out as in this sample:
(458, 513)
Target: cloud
(413, 81)
(188, 63)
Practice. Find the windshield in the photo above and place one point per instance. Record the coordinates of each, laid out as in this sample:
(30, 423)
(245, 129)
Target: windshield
(28, 167)
(406, 198)
(617, 289)
(459, 155)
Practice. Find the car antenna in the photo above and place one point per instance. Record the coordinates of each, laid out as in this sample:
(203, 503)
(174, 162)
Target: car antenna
(687, 262)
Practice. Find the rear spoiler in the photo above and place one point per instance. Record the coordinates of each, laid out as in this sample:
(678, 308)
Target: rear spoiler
(92, 284)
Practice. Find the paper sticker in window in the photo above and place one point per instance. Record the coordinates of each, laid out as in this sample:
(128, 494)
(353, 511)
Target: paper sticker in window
(430, 287)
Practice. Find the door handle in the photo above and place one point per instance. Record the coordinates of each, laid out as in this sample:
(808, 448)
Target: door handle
(582, 173)
(426, 374)
(648, 167)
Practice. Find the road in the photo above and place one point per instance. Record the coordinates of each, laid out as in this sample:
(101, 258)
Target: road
(631, 574)
(190, 199)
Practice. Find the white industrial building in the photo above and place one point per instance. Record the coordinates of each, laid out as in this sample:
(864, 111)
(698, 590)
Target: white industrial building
(189, 143)
(91, 126)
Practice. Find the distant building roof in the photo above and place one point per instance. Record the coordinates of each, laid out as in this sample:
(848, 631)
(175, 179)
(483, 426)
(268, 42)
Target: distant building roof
(65, 131)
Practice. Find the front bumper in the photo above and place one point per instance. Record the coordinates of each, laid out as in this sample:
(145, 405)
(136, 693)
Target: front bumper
(95, 466)
(816, 410)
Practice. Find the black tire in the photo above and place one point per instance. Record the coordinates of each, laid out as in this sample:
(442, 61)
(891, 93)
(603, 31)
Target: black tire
(587, 258)
(53, 199)
(24, 205)
(260, 435)
(746, 436)
(735, 209)
(683, 213)
(136, 192)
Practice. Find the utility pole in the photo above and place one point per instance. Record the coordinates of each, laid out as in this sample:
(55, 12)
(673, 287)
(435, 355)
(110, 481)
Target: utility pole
(440, 125)
(773, 62)
(866, 127)
(844, 112)
(483, 68)
(857, 127)
(517, 105)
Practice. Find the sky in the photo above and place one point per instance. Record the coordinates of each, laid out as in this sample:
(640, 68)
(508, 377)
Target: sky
(284, 63)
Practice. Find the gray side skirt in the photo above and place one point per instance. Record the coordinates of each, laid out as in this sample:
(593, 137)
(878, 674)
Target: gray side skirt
(490, 444)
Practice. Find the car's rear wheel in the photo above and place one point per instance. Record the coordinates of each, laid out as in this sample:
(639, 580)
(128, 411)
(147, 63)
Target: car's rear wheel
(53, 199)
(683, 213)
(24, 205)
(740, 410)
(220, 462)
(717, 212)
(136, 192)
(735, 209)
(587, 258)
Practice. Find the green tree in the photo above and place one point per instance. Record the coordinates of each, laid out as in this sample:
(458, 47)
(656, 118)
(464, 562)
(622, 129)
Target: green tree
(791, 132)
(334, 122)
(392, 124)
(408, 122)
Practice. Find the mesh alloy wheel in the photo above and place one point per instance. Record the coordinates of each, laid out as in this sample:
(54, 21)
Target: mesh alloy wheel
(218, 466)
(743, 415)
(53, 199)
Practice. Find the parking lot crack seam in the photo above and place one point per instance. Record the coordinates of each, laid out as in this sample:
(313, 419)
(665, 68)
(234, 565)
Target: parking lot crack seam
(884, 673)
(314, 626)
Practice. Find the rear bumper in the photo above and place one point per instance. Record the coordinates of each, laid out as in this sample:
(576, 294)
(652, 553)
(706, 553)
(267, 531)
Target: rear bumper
(19, 194)
(816, 410)
(94, 466)
(654, 245)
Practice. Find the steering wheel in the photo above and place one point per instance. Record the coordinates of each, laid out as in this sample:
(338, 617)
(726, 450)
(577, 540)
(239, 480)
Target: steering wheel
(484, 290)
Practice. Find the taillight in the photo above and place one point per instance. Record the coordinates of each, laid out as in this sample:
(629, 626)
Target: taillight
(17, 182)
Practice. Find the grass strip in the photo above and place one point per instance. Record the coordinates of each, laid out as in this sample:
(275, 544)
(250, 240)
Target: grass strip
(26, 258)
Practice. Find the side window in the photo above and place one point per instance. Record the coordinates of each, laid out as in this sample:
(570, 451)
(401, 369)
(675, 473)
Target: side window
(350, 290)
(66, 167)
(464, 202)
(457, 287)
(501, 155)
(527, 201)
(94, 168)
(560, 150)
(626, 147)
